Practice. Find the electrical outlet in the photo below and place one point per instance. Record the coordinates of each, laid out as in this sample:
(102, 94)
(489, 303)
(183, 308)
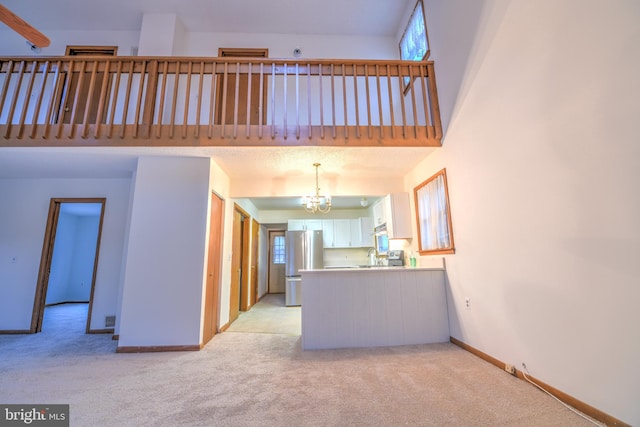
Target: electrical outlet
(510, 369)
(467, 302)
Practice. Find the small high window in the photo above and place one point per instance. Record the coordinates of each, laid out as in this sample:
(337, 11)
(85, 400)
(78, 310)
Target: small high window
(414, 44)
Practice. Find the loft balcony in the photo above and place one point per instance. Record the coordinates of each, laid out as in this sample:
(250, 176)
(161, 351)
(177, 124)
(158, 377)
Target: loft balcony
(186, 102)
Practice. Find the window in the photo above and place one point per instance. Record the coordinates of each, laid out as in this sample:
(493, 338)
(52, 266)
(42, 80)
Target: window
(414, 44)
(278, 250)
(435, 233)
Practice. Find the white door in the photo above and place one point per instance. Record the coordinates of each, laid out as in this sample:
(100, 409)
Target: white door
(276, 262)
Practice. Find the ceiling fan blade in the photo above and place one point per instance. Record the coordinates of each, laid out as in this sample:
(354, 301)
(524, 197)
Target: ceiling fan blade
(34, 36)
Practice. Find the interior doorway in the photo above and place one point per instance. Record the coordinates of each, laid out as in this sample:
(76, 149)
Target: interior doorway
(276, 274)
(228, 105)
(69, 258)
(212, 291)
(79, 88)
(240, 275)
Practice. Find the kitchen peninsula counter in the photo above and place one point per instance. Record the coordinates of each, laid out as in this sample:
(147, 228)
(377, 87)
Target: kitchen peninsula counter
(373, 306)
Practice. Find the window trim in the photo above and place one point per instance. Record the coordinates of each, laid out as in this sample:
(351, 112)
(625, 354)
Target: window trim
(450, 249)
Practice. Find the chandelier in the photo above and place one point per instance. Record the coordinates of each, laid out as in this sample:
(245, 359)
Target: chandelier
(316, 203)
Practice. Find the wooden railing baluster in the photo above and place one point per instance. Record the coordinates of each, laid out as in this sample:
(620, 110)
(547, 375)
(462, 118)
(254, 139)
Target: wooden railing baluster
(413, 101)
(136, 116)
(333, 102)
(92, 84)
(14, 100)
(321, 103)
(404, 115)
(273, 100)
(285, 102)
(356, 100)
(5, 86)
(102, 99)
(36, 110)
(297, 101)
(368, 98)
(309, 101)
(260, 101)
(344, 101)
(223, 103)
(391, 115)
(127, 97)
(196, 133)
(236, 102)
(186, 101)
(114, 104)
(65, 88)
(76, 99)
(427, 126)
(25, 104)
(379, 101)
(435, 105)
(74, 88)
(52, 100)
(163, 90)
(249, 82)
(174, 100)
(212, 100)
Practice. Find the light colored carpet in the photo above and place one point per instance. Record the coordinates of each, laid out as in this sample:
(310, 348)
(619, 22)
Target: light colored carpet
(265, 379)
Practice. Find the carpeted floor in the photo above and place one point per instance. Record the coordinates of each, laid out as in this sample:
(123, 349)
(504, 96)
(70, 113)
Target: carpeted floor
(264, 379)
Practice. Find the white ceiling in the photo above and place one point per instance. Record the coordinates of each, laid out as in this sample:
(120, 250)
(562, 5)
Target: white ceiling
(354, 17)
(346, 17)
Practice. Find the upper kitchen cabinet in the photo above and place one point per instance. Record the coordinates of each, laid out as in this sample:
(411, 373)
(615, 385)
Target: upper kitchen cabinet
(328, 239)
(394, 211)
(304, 224)
(347, 233)
(366, 232)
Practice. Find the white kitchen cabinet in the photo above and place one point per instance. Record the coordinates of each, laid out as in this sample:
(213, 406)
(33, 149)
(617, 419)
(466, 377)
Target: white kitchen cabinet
(379, 213)
(327, 233)
(347, 233)
(355, 236)
(366, 232)
(342, 233)
(304, 224)
(398, 215)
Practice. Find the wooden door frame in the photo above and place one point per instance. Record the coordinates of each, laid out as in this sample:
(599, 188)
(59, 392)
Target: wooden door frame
(42, 284)
(245, 277)
(214, 262)
(255, 241)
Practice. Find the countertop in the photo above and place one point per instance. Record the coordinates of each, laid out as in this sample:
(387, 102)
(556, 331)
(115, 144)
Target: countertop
(372, 268)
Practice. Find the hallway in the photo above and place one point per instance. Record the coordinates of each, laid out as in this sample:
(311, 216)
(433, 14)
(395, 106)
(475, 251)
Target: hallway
(269, 316)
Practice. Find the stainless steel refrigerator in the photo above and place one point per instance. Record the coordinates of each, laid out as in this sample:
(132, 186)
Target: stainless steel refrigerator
(303, 251)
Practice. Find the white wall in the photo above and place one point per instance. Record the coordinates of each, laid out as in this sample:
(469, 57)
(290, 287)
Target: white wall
(12, 44)
(22, 233)
(543, 162)
(165, 267)
(73, 258)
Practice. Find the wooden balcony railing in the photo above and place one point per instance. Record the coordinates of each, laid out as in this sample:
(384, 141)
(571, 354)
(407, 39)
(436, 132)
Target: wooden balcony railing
(175, 101)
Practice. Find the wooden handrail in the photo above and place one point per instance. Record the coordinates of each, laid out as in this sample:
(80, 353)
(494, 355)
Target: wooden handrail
(117, 101)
